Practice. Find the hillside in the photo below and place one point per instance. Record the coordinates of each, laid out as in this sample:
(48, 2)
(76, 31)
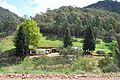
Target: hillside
(53, 21)
(8, 22)
(110, 5)
(64, 43)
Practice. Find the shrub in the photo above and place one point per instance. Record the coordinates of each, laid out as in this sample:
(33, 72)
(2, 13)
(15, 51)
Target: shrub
(81, 41)
(42, 61)
(70, 51)
(110, 68)
(27, 63)
(110, 54)
(107, 65)
(98, 41)
(61, 60)
(74, 40)
(107, 39)
(46, 63)
(84, 64)
(111, 46)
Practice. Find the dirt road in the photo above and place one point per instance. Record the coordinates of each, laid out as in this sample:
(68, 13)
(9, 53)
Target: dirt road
(57, 77)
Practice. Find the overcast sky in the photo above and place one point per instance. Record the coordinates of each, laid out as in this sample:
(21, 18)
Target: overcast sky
(31, 7)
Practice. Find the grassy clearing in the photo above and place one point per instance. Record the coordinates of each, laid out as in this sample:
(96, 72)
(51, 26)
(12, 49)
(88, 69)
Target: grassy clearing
(44, 42)
(27, 67)
(7, 43)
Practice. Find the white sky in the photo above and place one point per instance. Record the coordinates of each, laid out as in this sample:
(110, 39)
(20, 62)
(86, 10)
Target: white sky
(36, 6)
(53, 4)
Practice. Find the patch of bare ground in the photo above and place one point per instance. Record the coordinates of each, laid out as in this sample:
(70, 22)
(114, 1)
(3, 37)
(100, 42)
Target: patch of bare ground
(59, 77)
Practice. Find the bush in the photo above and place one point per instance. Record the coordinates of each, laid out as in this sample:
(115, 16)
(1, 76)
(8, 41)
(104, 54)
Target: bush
(81, 41)
(84, 64)
(70, 51)
(61, 60)
(107, 39)
(27, 64)
(110, 68)
(42, 61)
(107, 65)
(98, 41)
(110, 54)
(46, 63)
(111, 46)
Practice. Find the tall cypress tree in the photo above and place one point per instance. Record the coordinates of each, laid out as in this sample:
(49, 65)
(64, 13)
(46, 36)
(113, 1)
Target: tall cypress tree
(21, 43)
(89, 41)
(67, 37)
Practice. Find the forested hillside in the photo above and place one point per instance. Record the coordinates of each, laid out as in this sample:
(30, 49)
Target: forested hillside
(68, 40)
(53, 22)
(111, 5)
(8, 22)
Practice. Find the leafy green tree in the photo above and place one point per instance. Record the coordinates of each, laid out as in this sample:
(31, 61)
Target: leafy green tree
(27, 35)
(89, 41)
(52, 22)
(79, 30)
(117, 36)
(32, 32)
(67, 38)
(97, 26)
(21, 43)
(61, 19)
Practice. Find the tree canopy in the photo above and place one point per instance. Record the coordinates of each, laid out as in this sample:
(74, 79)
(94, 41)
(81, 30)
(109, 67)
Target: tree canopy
(21, 44)
(67, 38)
(111, 5)
(52, 21)
(32, 32)
(8, 22)
(27, 35)
(89, 40)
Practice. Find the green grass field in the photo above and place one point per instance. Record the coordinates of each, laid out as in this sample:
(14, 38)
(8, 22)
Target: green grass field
(7, 43)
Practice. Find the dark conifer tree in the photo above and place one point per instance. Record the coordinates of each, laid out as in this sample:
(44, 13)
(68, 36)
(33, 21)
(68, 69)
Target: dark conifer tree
(89, 41)
(22, 48)
(67, 37)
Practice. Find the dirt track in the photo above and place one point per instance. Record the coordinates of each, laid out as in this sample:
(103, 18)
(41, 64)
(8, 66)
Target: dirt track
(57, 77)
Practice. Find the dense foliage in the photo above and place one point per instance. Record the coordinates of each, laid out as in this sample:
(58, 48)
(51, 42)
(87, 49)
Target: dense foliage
(107, 65)
(67, 38)
(89, 40)
(84, 64)
(65, 22)
(111, 5)
(52, 22)
(21, 44)
(27, 35)
(8, 22)
(70, 51)
(32, 32)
